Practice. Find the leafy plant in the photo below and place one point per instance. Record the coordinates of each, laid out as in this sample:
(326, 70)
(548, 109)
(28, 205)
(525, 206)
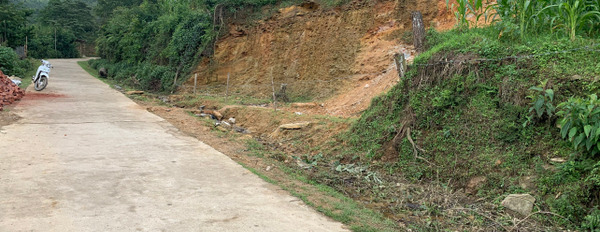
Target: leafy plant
(592, 221)
(574, 15)
(8, 60)
(464, 8)
(581, 123)
(541, 102)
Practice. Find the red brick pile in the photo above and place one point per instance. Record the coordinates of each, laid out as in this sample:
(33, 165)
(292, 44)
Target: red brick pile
(9, 92)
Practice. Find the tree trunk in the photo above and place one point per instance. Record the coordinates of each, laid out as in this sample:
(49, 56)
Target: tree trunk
(418, 31)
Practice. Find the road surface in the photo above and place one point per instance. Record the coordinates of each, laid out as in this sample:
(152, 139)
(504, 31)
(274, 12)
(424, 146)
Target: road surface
(86, 158)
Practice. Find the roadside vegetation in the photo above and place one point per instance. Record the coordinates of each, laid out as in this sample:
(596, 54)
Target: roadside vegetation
(516, 107)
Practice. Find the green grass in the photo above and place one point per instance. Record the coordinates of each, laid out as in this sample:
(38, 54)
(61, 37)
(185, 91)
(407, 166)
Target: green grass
(343, 209)
(26, 81)
(86, 66)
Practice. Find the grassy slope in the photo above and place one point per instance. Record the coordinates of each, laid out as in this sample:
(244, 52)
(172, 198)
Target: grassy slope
(468, 118)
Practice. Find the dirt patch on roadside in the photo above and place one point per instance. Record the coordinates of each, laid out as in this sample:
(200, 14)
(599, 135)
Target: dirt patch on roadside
(277, 164)
(7, 118)
(35, 96)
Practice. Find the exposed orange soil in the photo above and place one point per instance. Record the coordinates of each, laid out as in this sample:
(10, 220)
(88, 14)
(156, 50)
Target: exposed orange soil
(341, 57)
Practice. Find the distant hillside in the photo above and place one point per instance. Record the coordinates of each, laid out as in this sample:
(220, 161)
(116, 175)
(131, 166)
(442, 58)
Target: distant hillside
(39, 4)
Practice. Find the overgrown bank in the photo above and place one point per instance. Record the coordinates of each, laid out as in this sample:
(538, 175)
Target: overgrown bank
(479, 126)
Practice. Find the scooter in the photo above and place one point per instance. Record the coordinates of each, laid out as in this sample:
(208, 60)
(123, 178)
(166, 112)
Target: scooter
(40, 80)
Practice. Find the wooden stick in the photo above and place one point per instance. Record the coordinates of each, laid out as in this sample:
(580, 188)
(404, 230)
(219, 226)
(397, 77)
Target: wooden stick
(273, 86)
(227, 90)
(195, 82)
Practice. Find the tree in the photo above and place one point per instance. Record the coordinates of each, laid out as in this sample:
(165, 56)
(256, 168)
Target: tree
(72, 15)
(13, 24)
(104, 9)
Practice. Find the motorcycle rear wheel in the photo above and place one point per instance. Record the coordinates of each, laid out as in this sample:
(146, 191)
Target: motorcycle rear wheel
(41, 83)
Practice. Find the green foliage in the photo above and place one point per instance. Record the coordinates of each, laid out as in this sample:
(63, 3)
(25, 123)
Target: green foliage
(581, 123)
(172, 34)
(526, 16)
(10, 63)
(74, 16)
(541, 103)
(51, 35)
(464, 8)
(8, 60)
(592, 221)
(13, 26)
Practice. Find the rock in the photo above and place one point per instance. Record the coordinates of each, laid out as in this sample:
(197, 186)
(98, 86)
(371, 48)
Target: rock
(475, 183)
(549, 167)
(118, 87)
(299, 113)
(15, 78)
(294, 126)
(241, 130)
(498, 162)
(520, 203)
(304, 105)
(527, 182)
(226, 125)
(103, 72)
(232, 120)
(558, 160)
(268, 168)
(214, 113)
(136, 92)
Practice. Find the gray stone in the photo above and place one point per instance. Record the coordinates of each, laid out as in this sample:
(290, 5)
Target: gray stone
(103, 72)
(294, 126)
(520, 203)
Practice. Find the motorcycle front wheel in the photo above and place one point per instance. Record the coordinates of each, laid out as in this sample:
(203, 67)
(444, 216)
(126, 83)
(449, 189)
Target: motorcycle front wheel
(41, 83)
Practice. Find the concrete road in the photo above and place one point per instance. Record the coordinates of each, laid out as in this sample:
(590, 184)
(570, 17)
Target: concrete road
(86, 158)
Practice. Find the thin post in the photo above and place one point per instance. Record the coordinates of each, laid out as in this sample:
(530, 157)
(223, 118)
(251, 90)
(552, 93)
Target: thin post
(227, 90)
(273, 87)
(195, 82)
(418, 31)
(55, 39)
(400, 61)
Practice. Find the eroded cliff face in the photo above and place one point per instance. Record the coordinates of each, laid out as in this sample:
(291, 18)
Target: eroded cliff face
(341, 57)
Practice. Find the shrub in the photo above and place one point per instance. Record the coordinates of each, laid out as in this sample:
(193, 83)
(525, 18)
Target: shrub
(541, 103)
(592, 221)
(581, 123)
(8, 61)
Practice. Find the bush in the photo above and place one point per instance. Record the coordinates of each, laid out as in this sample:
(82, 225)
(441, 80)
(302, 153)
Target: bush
(9, 62)
(581, 123)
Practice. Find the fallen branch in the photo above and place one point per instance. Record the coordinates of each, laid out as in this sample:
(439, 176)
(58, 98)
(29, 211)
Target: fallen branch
(534, 213)
(416, 148)
(483, 215)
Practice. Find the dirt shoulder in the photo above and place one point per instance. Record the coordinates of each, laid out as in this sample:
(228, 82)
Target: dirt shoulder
(7, 118)
(275, 166)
